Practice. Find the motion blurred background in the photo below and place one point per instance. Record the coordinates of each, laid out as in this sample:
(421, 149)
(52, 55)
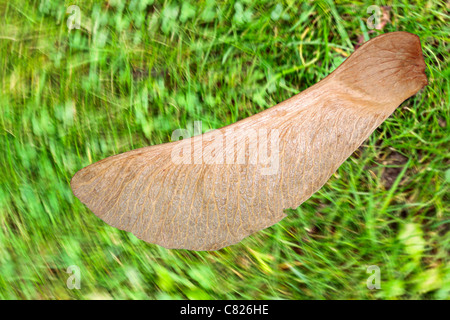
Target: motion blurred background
(83, 83)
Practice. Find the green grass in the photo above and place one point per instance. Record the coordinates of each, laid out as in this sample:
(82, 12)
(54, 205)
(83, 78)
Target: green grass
(134, 73)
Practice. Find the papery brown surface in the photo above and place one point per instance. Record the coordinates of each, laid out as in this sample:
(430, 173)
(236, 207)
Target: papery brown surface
(204, 205)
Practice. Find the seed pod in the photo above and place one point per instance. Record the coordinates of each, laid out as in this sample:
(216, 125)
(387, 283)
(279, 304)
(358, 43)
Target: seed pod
(213, 190)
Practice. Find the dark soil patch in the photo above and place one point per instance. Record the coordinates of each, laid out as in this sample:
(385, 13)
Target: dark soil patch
(395, 161)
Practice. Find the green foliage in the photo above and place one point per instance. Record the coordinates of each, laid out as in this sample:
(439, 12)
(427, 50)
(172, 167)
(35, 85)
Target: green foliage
(137, 70)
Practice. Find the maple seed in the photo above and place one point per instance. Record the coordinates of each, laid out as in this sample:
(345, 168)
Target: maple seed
(207, 204)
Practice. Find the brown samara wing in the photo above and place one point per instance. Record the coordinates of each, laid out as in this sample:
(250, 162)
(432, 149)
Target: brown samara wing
(213, 190)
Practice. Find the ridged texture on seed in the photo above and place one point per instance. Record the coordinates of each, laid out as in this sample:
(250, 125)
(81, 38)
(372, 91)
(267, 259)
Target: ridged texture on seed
(207, 205)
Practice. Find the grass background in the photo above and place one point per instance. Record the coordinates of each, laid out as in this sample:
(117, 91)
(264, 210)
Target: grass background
(137, 70)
